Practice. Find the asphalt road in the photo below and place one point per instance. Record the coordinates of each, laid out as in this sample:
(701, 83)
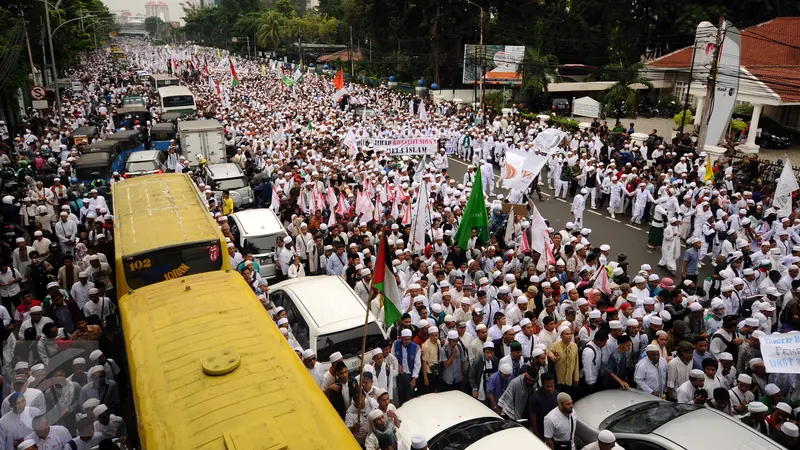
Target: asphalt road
(622, 236)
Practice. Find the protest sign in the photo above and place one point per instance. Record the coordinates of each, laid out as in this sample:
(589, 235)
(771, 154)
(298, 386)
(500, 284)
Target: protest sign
(781, 352)
(408, 146)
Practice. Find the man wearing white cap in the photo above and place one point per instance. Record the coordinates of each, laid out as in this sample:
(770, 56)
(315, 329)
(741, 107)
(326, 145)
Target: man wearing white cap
(101, 388)
(20, 257)
(67, 233)
(109, 425)
(36, 319)
(382, 431)
(87, 436)
(740, 394)
(330, 375)
(651, 372)
(313, 366)
(101, 307)
(408, 355)
(384, 370)
(453, 362)
(691, 390)
(560, 424)
(47, 436)
(16, 424)
(363, 285)
(605, 441)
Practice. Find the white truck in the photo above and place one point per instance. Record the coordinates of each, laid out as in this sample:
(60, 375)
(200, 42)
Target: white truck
(202, 137)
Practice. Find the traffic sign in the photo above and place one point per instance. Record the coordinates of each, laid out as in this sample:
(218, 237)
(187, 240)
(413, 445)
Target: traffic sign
(38, 93)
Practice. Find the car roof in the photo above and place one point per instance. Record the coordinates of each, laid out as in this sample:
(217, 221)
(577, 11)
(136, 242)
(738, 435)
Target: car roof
(728, 433)
(166, 126)
(519, 437)
(97, 159)
(338, 309)
(226, 170)
(258, 222)
(594, 409)
(105, 144)
(205, 124)
(121, 135)
(143, 155)
(430, 414)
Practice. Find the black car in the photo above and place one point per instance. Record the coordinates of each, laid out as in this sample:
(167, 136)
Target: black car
(773, 134)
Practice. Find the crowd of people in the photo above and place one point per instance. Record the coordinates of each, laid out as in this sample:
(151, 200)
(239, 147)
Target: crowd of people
(523, 332)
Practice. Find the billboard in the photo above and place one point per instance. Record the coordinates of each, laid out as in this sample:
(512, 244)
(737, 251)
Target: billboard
(500, 61)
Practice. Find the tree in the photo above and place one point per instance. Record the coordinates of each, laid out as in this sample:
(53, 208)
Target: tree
(537, 70)
(269, 32)
(621, 95)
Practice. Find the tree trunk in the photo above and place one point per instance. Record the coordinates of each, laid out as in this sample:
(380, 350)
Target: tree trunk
(435, 42)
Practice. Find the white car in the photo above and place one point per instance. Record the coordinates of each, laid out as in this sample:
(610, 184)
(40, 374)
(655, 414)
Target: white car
(455, 421)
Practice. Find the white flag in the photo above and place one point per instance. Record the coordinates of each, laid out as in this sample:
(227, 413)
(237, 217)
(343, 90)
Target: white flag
(787, 183)
(509, 237)
(538, 233)
(521, 168)
(423, 114)
(420, 221)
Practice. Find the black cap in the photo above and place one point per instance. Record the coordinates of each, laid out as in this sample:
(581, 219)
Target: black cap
(623, 339)
(602, 335)
(405, 316)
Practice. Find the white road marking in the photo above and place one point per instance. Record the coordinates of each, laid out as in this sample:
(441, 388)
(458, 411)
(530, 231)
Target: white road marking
(633, 226)
(594, 212)
(546, 194)
(615, 220)
(561, 200)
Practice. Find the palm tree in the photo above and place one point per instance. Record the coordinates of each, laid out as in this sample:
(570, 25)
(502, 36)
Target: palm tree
(621, 94)
(271, 28)
(537, 70)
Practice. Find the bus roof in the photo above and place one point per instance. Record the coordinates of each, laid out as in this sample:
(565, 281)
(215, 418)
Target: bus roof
(173, 90)
(158, 211)
(176, 329)
(163, 76)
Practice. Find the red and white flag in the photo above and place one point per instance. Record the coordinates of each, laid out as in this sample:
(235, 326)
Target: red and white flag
(601, 282)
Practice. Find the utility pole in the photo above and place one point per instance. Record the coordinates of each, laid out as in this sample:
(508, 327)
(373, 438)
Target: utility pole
(44, 53)
(710, 89)
(28, 42)
(688, 89)
(350, 52)
(483, 66)
(53, 61)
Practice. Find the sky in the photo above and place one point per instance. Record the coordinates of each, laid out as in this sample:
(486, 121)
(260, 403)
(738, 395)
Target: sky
(137, 6)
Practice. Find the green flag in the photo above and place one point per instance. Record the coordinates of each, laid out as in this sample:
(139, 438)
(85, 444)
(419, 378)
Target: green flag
(288, 82)
(475, 216)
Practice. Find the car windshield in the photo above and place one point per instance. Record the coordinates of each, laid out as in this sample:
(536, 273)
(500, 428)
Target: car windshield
(141, 166)
(178, 100)
(646, 417)
(230, 183)
(263, 244)
(85, 173)
(348, 342)
(461, 436)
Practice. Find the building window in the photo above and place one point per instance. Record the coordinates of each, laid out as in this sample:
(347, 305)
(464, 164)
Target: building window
(681, 90)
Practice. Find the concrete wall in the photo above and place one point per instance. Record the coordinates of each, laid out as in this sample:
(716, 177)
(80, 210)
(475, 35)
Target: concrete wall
(463, 94)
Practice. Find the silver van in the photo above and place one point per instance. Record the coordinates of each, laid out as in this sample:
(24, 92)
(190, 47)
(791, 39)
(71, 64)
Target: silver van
(228, 176)
(327, 317)
(256, 231)
(144, 162)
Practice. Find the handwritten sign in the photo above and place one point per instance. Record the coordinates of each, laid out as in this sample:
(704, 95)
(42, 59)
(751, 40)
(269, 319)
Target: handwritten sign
(781, 352)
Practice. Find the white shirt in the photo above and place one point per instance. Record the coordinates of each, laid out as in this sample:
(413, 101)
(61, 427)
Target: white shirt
(16, 426)
(592, 361)
(33, 398)
(55, 440)
(651, 377)
(102, 309)
(557, 426)
(685, 393)
(739, 398)
(80, 292)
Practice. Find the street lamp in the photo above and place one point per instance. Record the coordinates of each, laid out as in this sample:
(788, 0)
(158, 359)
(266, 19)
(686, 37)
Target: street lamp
(483, 56)
(236, 39)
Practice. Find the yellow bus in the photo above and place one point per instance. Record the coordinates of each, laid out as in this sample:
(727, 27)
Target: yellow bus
(210, 371)
(163, 230)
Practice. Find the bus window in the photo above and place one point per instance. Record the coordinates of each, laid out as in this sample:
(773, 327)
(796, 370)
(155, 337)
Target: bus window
(177, 100)
(161, 265)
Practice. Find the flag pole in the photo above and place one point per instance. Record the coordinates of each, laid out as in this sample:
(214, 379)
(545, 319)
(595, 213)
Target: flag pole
(364, 340)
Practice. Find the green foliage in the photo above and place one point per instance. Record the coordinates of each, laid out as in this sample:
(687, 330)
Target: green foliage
(562, 121)
(621, 95)
(537, 70)
(743, 109)
(738, 125)
(495, 100)
(679, 118)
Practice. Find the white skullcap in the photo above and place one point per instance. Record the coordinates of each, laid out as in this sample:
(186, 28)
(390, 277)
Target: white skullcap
(784, 407)
(99, 409)
(308, 353)
(405, 333)
(481, 326)
(374, 414)
(21, 365)
(524, 322)
(725, 356)
(656, 320)
(424, 323)
(751, 322)
(632, 323)
(537, 352)
(337, 356)
(452, 334)
(757, 407)
(789, 429)
(695, 306)
(488, 345)
(26, 444)
(772, 389)
(606, 437)
(595, 314)
(505, 369)
(418, 442)
(697, 373)
(744, 378)
(615, 325)
(36, 308)
(433, 329)
(653, 348)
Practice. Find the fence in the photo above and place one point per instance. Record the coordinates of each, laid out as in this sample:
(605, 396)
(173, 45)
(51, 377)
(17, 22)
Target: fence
(771, 165)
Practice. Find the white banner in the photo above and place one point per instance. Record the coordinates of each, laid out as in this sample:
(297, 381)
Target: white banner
(420, 221)
(787, 184)
(781, 352)
(548, 140)
(726, 87)
(407, 147)
(521, 168)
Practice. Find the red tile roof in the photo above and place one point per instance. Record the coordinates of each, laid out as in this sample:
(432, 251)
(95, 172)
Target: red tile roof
(770, 51)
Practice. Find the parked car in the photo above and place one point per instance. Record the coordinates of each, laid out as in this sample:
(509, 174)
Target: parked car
(455, 420)
(773, 134)
(643, 422)
(257, 230)
(228, 176)
(145, 162)
(327, 317)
